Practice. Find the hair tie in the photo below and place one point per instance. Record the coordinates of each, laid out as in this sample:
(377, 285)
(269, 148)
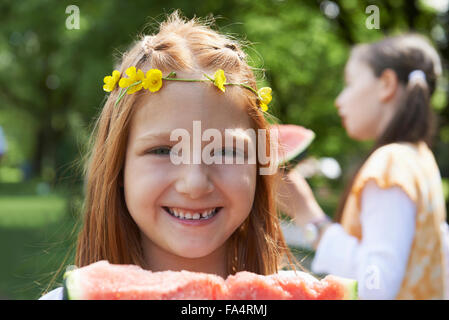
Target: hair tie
(417, 75)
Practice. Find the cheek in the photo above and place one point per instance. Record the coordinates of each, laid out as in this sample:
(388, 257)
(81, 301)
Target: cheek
(353, 100)
(143, 182)
(238, 182)
(358, 105)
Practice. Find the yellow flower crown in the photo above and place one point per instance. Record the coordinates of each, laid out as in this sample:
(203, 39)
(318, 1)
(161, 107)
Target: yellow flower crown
(153, 82)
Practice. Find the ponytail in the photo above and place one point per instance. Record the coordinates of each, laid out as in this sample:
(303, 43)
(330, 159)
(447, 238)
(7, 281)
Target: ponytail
(414, 120)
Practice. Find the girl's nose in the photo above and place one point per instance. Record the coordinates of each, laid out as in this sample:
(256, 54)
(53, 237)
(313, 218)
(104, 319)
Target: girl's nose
(195, 181)
(337, 101)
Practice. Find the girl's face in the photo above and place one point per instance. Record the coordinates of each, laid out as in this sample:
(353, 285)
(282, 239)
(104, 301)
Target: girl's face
(153, 184)
(358, 104)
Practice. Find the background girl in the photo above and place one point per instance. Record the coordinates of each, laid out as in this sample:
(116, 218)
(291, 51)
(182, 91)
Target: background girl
(390, 228)
(140, 208)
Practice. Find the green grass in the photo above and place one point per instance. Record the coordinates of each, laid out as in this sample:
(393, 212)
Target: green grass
(31, 211)
(35, 238)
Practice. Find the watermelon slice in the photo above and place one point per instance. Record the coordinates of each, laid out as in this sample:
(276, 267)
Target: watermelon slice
(104, 281)
(293, 142)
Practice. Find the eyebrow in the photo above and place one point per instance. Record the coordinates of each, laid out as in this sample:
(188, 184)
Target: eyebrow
(154, 136)
(151, 136)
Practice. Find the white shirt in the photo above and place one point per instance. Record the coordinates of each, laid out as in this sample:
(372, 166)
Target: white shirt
(378, 262)
(55, 294)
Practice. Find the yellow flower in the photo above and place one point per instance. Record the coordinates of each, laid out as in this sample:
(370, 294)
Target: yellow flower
(265, 95)
(111, 81)
(220, 79)
(263, 106)
(153, 80)
(134, 76)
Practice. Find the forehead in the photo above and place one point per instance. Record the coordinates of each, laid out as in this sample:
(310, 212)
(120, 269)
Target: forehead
(178, 104)
(356, 67)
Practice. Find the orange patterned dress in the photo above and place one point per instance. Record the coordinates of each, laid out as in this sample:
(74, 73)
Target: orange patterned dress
(413, 168)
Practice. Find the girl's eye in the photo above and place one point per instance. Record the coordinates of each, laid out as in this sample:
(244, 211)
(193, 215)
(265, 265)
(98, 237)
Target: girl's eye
(162, 151)
(231, 152)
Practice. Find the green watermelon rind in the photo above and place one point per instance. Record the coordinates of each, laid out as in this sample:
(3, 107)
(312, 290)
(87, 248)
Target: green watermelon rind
(351, 289)
(72, 290)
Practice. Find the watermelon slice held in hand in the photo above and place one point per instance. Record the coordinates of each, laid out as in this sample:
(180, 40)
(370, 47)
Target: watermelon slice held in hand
(293, 142)
(104, 281)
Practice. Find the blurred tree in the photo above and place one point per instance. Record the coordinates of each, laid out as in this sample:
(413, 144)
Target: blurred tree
(54, 74)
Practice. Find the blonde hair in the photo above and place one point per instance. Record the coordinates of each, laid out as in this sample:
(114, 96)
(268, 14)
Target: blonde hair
(108, 231)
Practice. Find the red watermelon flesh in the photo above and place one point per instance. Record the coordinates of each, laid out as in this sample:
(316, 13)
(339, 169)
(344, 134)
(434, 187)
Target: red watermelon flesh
(293, 142)
(250, 286)
(301, 286)
(104, 281)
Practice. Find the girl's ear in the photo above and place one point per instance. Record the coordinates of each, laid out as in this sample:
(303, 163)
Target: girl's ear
(388, 85)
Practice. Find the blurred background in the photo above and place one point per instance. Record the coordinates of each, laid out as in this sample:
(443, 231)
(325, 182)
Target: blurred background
(51, 78)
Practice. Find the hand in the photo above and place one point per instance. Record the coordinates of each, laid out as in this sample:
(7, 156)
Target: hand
(295, 198)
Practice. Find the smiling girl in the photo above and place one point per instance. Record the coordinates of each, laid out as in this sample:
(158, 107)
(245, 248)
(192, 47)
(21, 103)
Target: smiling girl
(143, 209)
(136, 196)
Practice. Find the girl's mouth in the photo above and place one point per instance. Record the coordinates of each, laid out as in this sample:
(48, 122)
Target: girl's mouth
(192, 215)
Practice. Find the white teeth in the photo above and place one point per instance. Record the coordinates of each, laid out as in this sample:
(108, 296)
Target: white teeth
(187, 215)
(196, 216)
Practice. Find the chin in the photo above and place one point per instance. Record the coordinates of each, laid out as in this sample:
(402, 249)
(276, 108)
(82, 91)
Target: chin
(192, 252)
(356, 135)
(353, 135)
